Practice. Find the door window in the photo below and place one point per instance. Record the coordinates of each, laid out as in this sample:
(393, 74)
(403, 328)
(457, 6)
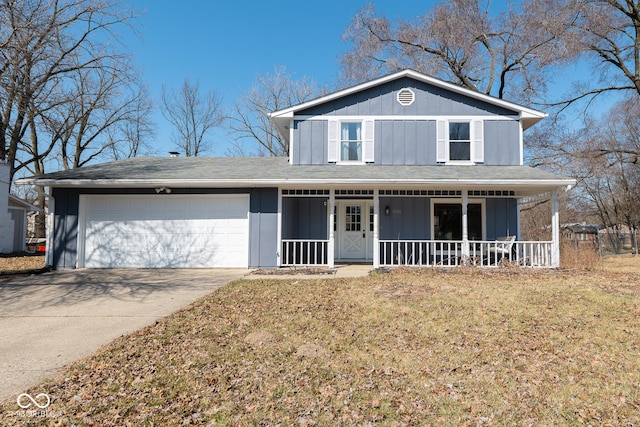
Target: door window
(353, 220)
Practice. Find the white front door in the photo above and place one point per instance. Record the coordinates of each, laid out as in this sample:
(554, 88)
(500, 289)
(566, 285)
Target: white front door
(354, 230)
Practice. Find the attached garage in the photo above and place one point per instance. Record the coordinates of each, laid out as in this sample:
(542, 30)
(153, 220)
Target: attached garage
(163, 231)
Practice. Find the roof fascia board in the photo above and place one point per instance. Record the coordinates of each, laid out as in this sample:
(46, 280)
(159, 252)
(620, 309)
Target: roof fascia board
(467, 183)
(22, 204)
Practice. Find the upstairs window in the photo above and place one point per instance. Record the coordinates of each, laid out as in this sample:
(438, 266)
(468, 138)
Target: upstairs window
(351, 142)
(460, 141)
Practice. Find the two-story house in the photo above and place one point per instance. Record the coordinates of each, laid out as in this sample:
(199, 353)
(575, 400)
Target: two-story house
(403, 170)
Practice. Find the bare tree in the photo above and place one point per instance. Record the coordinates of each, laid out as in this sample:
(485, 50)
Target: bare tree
(462, 41)
(250, 123)
(43, 44)
(131, 136)
(84, 130)
(611, 157)
(603, 157)
(609, 33)
(193, 115)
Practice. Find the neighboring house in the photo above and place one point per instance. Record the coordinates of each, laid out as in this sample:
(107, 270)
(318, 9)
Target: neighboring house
(19, 210)
(405, 169)
(13, 216)
(6, 221)
(580, 234)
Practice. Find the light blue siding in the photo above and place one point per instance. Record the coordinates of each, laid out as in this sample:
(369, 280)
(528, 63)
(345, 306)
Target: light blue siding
(409, 218)
(304, 218)
(410, 142)
(400, 141)
(429, 100)
(501, 142)
(502, 218)
(263, 227)
(314, 136)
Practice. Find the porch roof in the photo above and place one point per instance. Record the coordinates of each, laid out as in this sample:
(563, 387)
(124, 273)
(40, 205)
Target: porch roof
(229, 172)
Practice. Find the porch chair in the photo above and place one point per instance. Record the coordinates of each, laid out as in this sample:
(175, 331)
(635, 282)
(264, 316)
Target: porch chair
(501, 249)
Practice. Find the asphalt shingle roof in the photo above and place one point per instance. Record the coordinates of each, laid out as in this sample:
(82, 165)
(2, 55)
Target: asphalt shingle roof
(257, 171)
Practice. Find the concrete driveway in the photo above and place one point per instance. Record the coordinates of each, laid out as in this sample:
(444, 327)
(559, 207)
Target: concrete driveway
(50, 320)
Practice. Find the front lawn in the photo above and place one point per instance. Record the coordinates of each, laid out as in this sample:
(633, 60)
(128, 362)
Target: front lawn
(413, 347)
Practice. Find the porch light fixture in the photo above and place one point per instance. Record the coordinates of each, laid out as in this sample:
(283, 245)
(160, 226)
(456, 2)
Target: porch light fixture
(163, 190)
(387, 211)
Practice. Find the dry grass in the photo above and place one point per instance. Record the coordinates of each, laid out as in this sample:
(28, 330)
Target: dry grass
(21, 261)
(621, 263)
(582, 257)
(414, 347)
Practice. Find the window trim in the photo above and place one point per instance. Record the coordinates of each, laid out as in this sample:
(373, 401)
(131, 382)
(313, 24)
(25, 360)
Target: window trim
(367, 141)
(449, 141)
(476, 141)
(341, 141)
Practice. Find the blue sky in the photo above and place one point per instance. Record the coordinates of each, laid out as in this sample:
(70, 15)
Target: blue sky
(225, 44)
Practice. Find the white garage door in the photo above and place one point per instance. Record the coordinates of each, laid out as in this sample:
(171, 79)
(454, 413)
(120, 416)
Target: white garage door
(164, 231)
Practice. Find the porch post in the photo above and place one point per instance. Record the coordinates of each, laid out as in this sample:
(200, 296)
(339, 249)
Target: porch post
(376, 226)
(465, 224)
(555, 229)
(279, 230)
(332, 234)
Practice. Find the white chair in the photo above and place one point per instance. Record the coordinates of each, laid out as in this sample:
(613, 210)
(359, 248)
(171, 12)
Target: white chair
(501, 249)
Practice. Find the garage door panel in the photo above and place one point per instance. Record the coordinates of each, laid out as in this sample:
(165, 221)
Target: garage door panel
(169, 231)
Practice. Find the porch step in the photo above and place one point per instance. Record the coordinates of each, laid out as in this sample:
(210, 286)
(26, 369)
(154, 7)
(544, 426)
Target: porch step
(341, 270)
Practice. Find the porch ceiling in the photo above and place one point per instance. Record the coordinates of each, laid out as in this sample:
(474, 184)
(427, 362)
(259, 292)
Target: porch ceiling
(202, 172)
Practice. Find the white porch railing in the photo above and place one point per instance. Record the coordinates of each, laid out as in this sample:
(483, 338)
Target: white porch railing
(304, 252)
(450, 253)
(439, 253)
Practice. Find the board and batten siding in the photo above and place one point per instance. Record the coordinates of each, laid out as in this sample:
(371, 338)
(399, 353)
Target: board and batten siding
(304, 218)
(410, 218)
(263, 221)
(407, 142)
(502, 218)
(429, 101)
(401, 136)
(501, 142)
(314, 137)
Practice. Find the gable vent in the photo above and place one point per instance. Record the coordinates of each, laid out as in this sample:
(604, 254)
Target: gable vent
(406, 97)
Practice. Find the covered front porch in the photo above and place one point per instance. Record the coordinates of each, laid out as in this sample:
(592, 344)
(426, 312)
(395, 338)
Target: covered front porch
(411, 227)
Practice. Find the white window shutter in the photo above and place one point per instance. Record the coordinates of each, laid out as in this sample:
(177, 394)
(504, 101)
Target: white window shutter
(441, 141)
(368, 141)
(477, 145)
(334, 140)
